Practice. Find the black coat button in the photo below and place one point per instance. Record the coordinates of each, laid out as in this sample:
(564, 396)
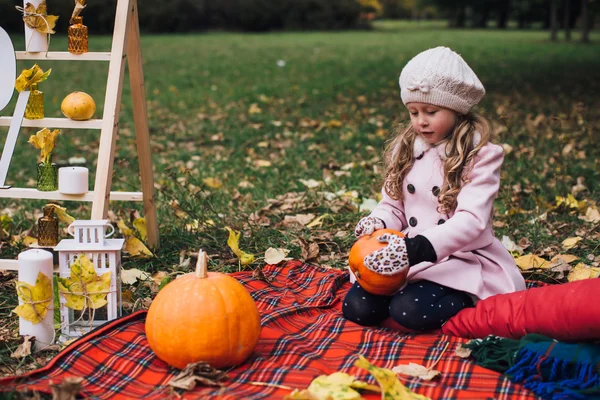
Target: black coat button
(412, 221)
(441, 221)
(411, 188)
(435, 190)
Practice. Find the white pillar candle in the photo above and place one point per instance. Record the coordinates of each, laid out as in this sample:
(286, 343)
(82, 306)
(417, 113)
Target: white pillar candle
(73, 180)
(35, 42)
(32, 262)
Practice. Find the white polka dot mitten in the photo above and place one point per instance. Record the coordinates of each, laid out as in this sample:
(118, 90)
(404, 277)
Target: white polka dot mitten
(390, 260)
(368, 225)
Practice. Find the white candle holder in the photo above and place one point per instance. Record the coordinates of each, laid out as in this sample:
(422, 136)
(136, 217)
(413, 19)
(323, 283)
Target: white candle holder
(73, 180)
(35, 42)
(105, 254)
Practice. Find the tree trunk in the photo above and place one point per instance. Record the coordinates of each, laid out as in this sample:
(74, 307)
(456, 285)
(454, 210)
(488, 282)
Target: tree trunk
(553, 20)
(503, 12)
(585, 19)
(461, 18)
(567, 20)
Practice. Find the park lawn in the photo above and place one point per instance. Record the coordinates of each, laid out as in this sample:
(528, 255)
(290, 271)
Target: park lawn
(244, 125)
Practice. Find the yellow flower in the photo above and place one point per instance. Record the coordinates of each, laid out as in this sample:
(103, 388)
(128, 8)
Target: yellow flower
(31, 76)
(45, 141)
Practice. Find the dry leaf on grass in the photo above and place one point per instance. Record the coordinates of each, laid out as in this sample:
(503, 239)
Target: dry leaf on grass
(199, 372)
(24, 349)
(136, 248)
(571, 242)
(275, 256)
(591, 215)
(233, 243)
(531, 261)
(308, 251)
(582, 271)
(131, 276)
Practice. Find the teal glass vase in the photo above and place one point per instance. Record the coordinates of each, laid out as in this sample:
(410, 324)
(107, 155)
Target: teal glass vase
(47, 177)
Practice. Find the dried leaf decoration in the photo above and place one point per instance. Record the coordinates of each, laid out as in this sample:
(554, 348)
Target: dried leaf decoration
(571, 242)
(61, 213)
(36, 299)
(233, 243)
(200, 372)
(31, 76)
(44, 140)
(84, 289)
(337, 386)
(38, 18)
(391, 387)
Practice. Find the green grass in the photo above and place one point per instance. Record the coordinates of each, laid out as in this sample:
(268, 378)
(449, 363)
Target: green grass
(201, 87)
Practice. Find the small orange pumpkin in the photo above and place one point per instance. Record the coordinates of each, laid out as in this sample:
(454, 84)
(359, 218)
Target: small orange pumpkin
(373, 282)
(203, 316)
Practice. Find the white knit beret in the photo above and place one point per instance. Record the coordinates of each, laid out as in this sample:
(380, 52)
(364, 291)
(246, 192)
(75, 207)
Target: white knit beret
(440, 77)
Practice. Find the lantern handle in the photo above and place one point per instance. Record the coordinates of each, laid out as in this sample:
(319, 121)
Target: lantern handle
(111, 232)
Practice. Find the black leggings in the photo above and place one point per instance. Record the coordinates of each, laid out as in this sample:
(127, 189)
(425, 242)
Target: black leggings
(420, 306)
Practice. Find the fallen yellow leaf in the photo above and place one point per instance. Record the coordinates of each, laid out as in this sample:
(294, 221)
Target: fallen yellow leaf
(571, 242)
(131, 276)
(318, 221)
(531, 261)
(140, 226)
(591, 215)
(125, 230)
(582, 271)
(214, 183)
(566, 258)
(136, 248)
(233, 243)
(334, 123)
(36, 299)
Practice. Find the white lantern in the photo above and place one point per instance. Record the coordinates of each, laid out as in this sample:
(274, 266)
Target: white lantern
(105, 254)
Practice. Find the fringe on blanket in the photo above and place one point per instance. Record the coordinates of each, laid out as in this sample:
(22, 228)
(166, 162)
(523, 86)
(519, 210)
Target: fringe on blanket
(551, 369)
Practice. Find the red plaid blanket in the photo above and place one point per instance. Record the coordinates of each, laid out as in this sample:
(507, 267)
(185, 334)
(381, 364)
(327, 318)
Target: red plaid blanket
(304, 335)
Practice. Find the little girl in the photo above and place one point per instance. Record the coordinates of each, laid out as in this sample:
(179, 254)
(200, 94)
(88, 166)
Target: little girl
(441, 177)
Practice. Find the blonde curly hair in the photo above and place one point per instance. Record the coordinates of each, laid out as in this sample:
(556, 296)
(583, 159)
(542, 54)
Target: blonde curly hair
(460, 151)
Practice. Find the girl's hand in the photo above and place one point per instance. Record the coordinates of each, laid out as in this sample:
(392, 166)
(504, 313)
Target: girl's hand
(390, 260)
(368, 225)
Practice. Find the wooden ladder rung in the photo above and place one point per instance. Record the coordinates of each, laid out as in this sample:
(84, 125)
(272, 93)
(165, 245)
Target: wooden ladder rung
(29, 193)
(55, 123)
(63, 55)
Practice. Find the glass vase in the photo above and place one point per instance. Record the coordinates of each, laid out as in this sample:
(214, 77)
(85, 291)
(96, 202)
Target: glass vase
(35, 104)
(47, 177)
(78, 37)
(48, 228)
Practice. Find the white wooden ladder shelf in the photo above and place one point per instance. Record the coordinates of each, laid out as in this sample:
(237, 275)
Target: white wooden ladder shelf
(125, 48)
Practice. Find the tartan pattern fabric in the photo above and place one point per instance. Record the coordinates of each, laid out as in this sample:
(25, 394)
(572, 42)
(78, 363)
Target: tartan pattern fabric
(304, 335)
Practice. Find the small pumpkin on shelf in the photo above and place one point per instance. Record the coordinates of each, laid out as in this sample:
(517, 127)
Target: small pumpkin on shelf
(203, 316)
(371, 281)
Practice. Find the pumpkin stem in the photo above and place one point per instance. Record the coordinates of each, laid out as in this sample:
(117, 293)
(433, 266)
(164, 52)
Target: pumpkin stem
(201, 265)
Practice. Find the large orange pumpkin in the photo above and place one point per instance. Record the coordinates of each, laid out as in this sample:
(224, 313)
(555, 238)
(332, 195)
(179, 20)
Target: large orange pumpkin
(203, 316)
(373, 282)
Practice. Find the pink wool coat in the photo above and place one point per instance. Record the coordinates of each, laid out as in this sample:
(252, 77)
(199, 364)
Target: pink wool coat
(469, 257)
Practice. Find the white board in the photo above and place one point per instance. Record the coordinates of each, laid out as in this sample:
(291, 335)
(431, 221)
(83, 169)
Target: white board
(8, 69)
